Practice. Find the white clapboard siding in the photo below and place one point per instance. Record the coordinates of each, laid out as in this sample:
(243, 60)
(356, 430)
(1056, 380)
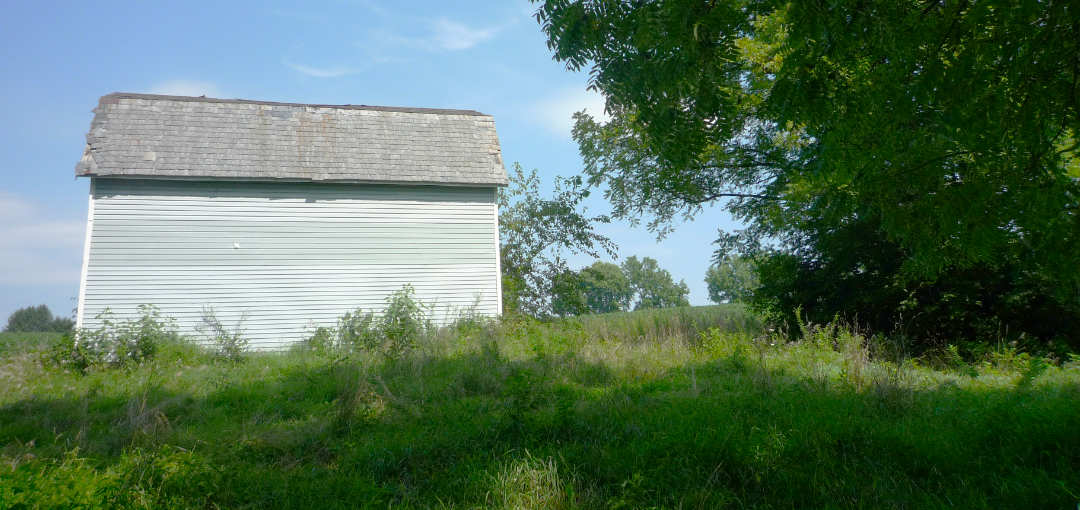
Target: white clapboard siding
(281, 258)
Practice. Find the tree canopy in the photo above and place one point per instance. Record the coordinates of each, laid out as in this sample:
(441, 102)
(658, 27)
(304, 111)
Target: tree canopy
(652, 286)
(37, 318)
(536, 234)
(889, 159)
(605, 287)
(733, 279)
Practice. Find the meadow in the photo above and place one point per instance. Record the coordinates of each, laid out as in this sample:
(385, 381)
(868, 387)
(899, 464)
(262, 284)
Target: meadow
(677, 408)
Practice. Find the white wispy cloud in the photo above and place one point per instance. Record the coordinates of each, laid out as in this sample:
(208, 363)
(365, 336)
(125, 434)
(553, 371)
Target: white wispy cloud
(450, 35)
(336, 71)
(186, 88)
(38, 250)
(439, 35)
(556, 111)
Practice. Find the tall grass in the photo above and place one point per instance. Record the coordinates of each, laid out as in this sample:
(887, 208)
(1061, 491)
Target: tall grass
(631, 410)
(16, 342)
(668, 324)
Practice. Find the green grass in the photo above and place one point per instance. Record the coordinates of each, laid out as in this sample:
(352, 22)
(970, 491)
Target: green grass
(616, 411)
(11, 342)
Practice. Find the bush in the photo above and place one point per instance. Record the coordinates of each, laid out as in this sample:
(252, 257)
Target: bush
(68, 354)
(116, 343)
(860, 276)
(403, 322)
(37, 319)
(392, 334)
(356, 329)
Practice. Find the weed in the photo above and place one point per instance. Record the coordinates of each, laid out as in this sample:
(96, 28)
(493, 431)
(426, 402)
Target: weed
(357, 403)
(856, 357)
(1036, 367)
(1009, 358)
(530, 482)
(228, 343)
(145, 421)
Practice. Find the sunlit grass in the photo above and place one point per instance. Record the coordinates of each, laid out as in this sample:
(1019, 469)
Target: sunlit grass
(632, 410)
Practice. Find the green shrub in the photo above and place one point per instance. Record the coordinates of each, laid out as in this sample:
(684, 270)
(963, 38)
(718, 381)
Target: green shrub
(68, 354)
(403, 322)
(115, 343)
(356, 329)
(321, 341)
(397, 331)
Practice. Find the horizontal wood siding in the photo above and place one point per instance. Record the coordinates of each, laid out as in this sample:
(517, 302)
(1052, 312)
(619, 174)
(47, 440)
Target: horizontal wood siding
(280, 259)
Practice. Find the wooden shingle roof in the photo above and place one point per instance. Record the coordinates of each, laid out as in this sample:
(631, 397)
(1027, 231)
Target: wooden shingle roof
(155, 136)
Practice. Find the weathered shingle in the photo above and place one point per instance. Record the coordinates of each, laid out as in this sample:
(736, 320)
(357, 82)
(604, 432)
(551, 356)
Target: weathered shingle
(141, 135)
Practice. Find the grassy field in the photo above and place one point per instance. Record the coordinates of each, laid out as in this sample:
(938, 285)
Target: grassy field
(640, 410)
(15, 343)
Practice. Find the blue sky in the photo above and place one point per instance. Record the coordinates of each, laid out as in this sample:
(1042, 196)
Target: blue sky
(57, 59)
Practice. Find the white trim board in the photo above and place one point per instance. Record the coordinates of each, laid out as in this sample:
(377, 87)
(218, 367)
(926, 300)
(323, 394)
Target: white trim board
(85, 259)
(498, 256)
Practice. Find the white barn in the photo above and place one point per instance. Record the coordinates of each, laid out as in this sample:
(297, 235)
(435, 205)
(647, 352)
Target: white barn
(286, 215)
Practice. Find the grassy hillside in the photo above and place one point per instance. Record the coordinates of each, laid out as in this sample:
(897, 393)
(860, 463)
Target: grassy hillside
(636, 410)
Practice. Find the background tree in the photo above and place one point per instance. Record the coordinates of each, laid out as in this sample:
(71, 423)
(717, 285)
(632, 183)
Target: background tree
(652, 286)
(605, 287)
(566, 294)
(535, 234)
(732, 280)
(37, 318)
(910, 164)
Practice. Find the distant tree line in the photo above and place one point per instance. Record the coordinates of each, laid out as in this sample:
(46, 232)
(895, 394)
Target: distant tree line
(37, 319)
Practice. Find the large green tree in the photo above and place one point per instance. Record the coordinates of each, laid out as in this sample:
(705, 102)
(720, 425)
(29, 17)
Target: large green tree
(536, 233)
(732, 279)
(605, 287)
(895, 161)
(653, 286)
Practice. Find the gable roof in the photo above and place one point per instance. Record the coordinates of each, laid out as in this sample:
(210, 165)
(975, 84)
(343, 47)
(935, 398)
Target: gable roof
(155, 136)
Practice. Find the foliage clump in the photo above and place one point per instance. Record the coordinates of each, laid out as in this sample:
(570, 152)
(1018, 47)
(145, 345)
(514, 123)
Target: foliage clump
(603, 287)
(732, 279)
(116, 343)
(37, 319)
(536, 234)
(397, 331)
(914, 166)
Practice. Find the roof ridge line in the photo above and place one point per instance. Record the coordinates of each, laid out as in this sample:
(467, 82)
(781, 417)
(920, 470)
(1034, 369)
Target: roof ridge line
(116, 96)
